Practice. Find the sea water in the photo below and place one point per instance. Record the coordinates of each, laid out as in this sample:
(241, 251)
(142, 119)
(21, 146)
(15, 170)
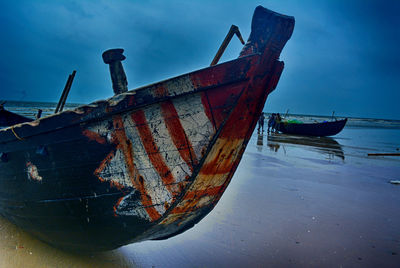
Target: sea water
(30, 109)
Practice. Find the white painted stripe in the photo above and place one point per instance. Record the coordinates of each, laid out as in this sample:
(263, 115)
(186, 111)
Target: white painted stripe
(116, 171)
(195, 122)
(173, 160)
(152, 180)
(179, 85)
(130, 207)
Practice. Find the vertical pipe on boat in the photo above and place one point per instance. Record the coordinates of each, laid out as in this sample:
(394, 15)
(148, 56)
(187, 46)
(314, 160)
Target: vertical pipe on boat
(113, 58)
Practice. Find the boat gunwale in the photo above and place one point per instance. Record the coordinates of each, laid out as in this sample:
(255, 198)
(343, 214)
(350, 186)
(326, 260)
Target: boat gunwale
(315, 123)
(324, 126)
(104, 104)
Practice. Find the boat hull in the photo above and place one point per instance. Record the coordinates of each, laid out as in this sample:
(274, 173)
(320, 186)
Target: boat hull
(146, 164)
(313, 129)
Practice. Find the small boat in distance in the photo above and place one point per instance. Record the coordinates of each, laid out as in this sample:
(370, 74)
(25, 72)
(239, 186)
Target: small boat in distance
(145, 164)
(322, 129)
(8, 118)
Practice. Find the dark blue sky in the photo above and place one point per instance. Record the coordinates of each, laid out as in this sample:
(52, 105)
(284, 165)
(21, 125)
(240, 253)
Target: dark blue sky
(343, 56)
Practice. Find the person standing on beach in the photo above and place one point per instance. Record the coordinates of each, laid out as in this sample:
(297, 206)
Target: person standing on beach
(261, 122)
(278, 120)
(271, 122)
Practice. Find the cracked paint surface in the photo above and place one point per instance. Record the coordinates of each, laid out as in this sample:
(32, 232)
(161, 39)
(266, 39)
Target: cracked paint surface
(156, 151)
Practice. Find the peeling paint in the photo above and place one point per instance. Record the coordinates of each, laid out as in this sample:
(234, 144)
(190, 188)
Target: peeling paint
(198, 128)
(130, 205)
(180, 85)
(32, 172)
(158, 147)
(148, 159)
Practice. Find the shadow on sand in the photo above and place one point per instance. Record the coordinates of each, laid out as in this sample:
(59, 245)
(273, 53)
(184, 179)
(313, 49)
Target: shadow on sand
(19, 249)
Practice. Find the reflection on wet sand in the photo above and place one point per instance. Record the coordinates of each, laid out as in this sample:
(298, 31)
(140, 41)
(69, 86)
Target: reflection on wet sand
(260, 142)
(19, 249)
(260, 139)
(278, 211)
(324, 145)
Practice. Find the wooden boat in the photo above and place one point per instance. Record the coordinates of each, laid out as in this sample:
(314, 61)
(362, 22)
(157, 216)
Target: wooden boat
(313, 129)
(8, 118)
(147, 163)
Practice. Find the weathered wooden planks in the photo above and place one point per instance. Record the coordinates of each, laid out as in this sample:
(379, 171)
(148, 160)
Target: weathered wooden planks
(145, 164)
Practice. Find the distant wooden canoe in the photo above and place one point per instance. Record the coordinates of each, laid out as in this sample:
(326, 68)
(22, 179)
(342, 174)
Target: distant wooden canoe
(145, 164)
(313, 129)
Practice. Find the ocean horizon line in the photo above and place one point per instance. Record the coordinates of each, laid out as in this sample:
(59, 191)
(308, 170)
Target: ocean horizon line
(69, 104)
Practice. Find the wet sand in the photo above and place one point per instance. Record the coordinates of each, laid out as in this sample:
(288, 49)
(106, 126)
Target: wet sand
(19, 249)
(293, 202)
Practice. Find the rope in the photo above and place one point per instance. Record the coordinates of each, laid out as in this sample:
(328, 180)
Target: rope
(15, 134)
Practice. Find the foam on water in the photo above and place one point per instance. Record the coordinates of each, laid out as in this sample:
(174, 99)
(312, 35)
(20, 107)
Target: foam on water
(30, 109)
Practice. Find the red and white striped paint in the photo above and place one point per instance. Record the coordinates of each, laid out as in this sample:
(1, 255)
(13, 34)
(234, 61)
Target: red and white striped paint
(156, 151)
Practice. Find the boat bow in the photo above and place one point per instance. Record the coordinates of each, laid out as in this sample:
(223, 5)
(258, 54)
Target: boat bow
(145, 164)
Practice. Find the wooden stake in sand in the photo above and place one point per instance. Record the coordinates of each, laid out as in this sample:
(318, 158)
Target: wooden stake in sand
(384, 154)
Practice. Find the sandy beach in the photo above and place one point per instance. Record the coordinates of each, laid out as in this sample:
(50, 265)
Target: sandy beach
(293, 202)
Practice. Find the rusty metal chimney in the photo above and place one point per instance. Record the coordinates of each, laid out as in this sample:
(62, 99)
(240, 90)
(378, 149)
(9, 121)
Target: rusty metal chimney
(113, 58)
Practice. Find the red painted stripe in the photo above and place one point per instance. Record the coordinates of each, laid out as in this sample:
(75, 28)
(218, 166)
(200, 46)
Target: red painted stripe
(116, 205)
(207, 109)
(94, 136)
(126, 147)
(160, 91)
(103, 165)
(175, 129)
(153, 151)
(200, 193)
(178, 135)
(193, 199)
